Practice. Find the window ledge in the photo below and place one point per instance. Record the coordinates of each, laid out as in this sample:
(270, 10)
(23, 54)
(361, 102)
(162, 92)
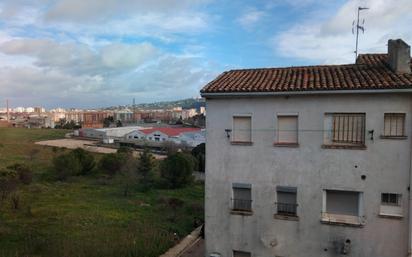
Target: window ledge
(390, 216)
(279, 144)
(341, 220)
(349, 147)
(286, 217)
(241, 143)
(242, 213)
(394, 137)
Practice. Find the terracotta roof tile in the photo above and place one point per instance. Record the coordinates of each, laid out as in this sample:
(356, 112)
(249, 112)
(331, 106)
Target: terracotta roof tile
(370, 72)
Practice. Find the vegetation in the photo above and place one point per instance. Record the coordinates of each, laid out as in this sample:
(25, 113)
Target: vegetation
(199, 152)
(177, 169)
(88, 213)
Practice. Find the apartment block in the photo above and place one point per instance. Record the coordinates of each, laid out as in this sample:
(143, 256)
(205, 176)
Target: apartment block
(311, 161)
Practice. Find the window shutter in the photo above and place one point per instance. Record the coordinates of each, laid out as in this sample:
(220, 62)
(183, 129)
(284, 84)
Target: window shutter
(342, 202)
(287, 129)
(242, 129)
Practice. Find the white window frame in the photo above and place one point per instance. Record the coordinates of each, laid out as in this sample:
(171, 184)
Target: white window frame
(391, 210)
(330, 218)
(242, 115)
(389, 136)
(232, 194)
(283, 114)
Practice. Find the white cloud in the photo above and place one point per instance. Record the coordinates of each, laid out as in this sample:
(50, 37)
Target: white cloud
(250, 18)
(331, 41)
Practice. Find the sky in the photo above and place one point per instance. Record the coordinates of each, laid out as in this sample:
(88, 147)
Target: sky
(99, 53)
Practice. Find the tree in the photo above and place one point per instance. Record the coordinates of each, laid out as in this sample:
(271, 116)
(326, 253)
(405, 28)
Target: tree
(145, 168)
(111, 163)
(108, 121)
(177, 170)
(199, 152)
(119, 124)
(85, 159)
(8, 183)
(66, 165)
(24, 172)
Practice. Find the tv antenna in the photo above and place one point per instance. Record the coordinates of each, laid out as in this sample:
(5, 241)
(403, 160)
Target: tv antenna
(358, 27)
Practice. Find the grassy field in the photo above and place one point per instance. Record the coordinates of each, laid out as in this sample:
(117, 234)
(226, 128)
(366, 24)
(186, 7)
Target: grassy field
(86, 216)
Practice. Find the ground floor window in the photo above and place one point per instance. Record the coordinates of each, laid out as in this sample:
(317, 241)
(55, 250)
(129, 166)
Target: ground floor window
(391, 205)
(340, 206)
(242, 197)
(286, 203)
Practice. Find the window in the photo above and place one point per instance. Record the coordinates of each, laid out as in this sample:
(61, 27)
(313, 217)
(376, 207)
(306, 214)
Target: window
(286, 201)
(391, 205)
(394, 125)
(343, 207)
(390, 199)
(242, 129)
(345, 129)
(242, 197)
(241, 254)
(287, 129)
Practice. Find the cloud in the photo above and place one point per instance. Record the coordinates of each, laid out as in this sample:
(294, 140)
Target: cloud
(92, 76)
(75, 58)
(329, 40)
(98, 10)
(250, 18)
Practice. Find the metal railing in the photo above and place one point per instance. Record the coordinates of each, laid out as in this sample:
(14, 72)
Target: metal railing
(288, 209)
(348, 128)
(241, 205)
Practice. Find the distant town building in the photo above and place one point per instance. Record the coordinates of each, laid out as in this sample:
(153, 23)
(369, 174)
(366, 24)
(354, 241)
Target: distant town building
(94, 119)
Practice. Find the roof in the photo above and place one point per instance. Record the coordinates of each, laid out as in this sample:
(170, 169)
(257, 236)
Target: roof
(370, 72)
(171, 132)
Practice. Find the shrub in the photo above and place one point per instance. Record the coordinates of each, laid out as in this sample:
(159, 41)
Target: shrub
(15, 201)
(85, 159)
(66, 165)
(111, 163)
(24, 173)
(177, 170)
(145, 169)
(8, 182)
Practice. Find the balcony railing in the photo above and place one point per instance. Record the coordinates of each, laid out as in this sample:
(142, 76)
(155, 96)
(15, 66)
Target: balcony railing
(242, 205)
(287, 209)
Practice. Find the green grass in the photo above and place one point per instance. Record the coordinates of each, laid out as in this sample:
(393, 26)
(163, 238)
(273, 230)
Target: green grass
(86, 216)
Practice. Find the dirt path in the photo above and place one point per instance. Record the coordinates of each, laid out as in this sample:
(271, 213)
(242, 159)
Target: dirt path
(87, 145)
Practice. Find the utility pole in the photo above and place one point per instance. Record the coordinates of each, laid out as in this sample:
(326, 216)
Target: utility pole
(7, 110)
(358, 27)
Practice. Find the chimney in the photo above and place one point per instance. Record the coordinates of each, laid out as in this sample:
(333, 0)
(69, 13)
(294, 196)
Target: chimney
(399, 56)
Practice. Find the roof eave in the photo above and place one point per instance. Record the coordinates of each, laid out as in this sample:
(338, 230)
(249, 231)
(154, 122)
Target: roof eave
(315, 92)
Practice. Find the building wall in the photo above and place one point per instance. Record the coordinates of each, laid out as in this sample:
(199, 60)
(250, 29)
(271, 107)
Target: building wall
(311, 169)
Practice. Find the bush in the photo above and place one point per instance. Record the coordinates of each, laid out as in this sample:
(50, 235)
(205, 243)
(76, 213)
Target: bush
(177, 170)
(112, 163)
(24, 173)
(85, 159)
(8, 183)
(199, 152)
(145, 169)
(66, 165)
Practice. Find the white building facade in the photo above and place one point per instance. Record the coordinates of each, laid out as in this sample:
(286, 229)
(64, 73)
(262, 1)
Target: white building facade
(315, 171)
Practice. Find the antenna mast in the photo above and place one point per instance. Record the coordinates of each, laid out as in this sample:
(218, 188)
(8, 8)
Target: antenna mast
(358, 27)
